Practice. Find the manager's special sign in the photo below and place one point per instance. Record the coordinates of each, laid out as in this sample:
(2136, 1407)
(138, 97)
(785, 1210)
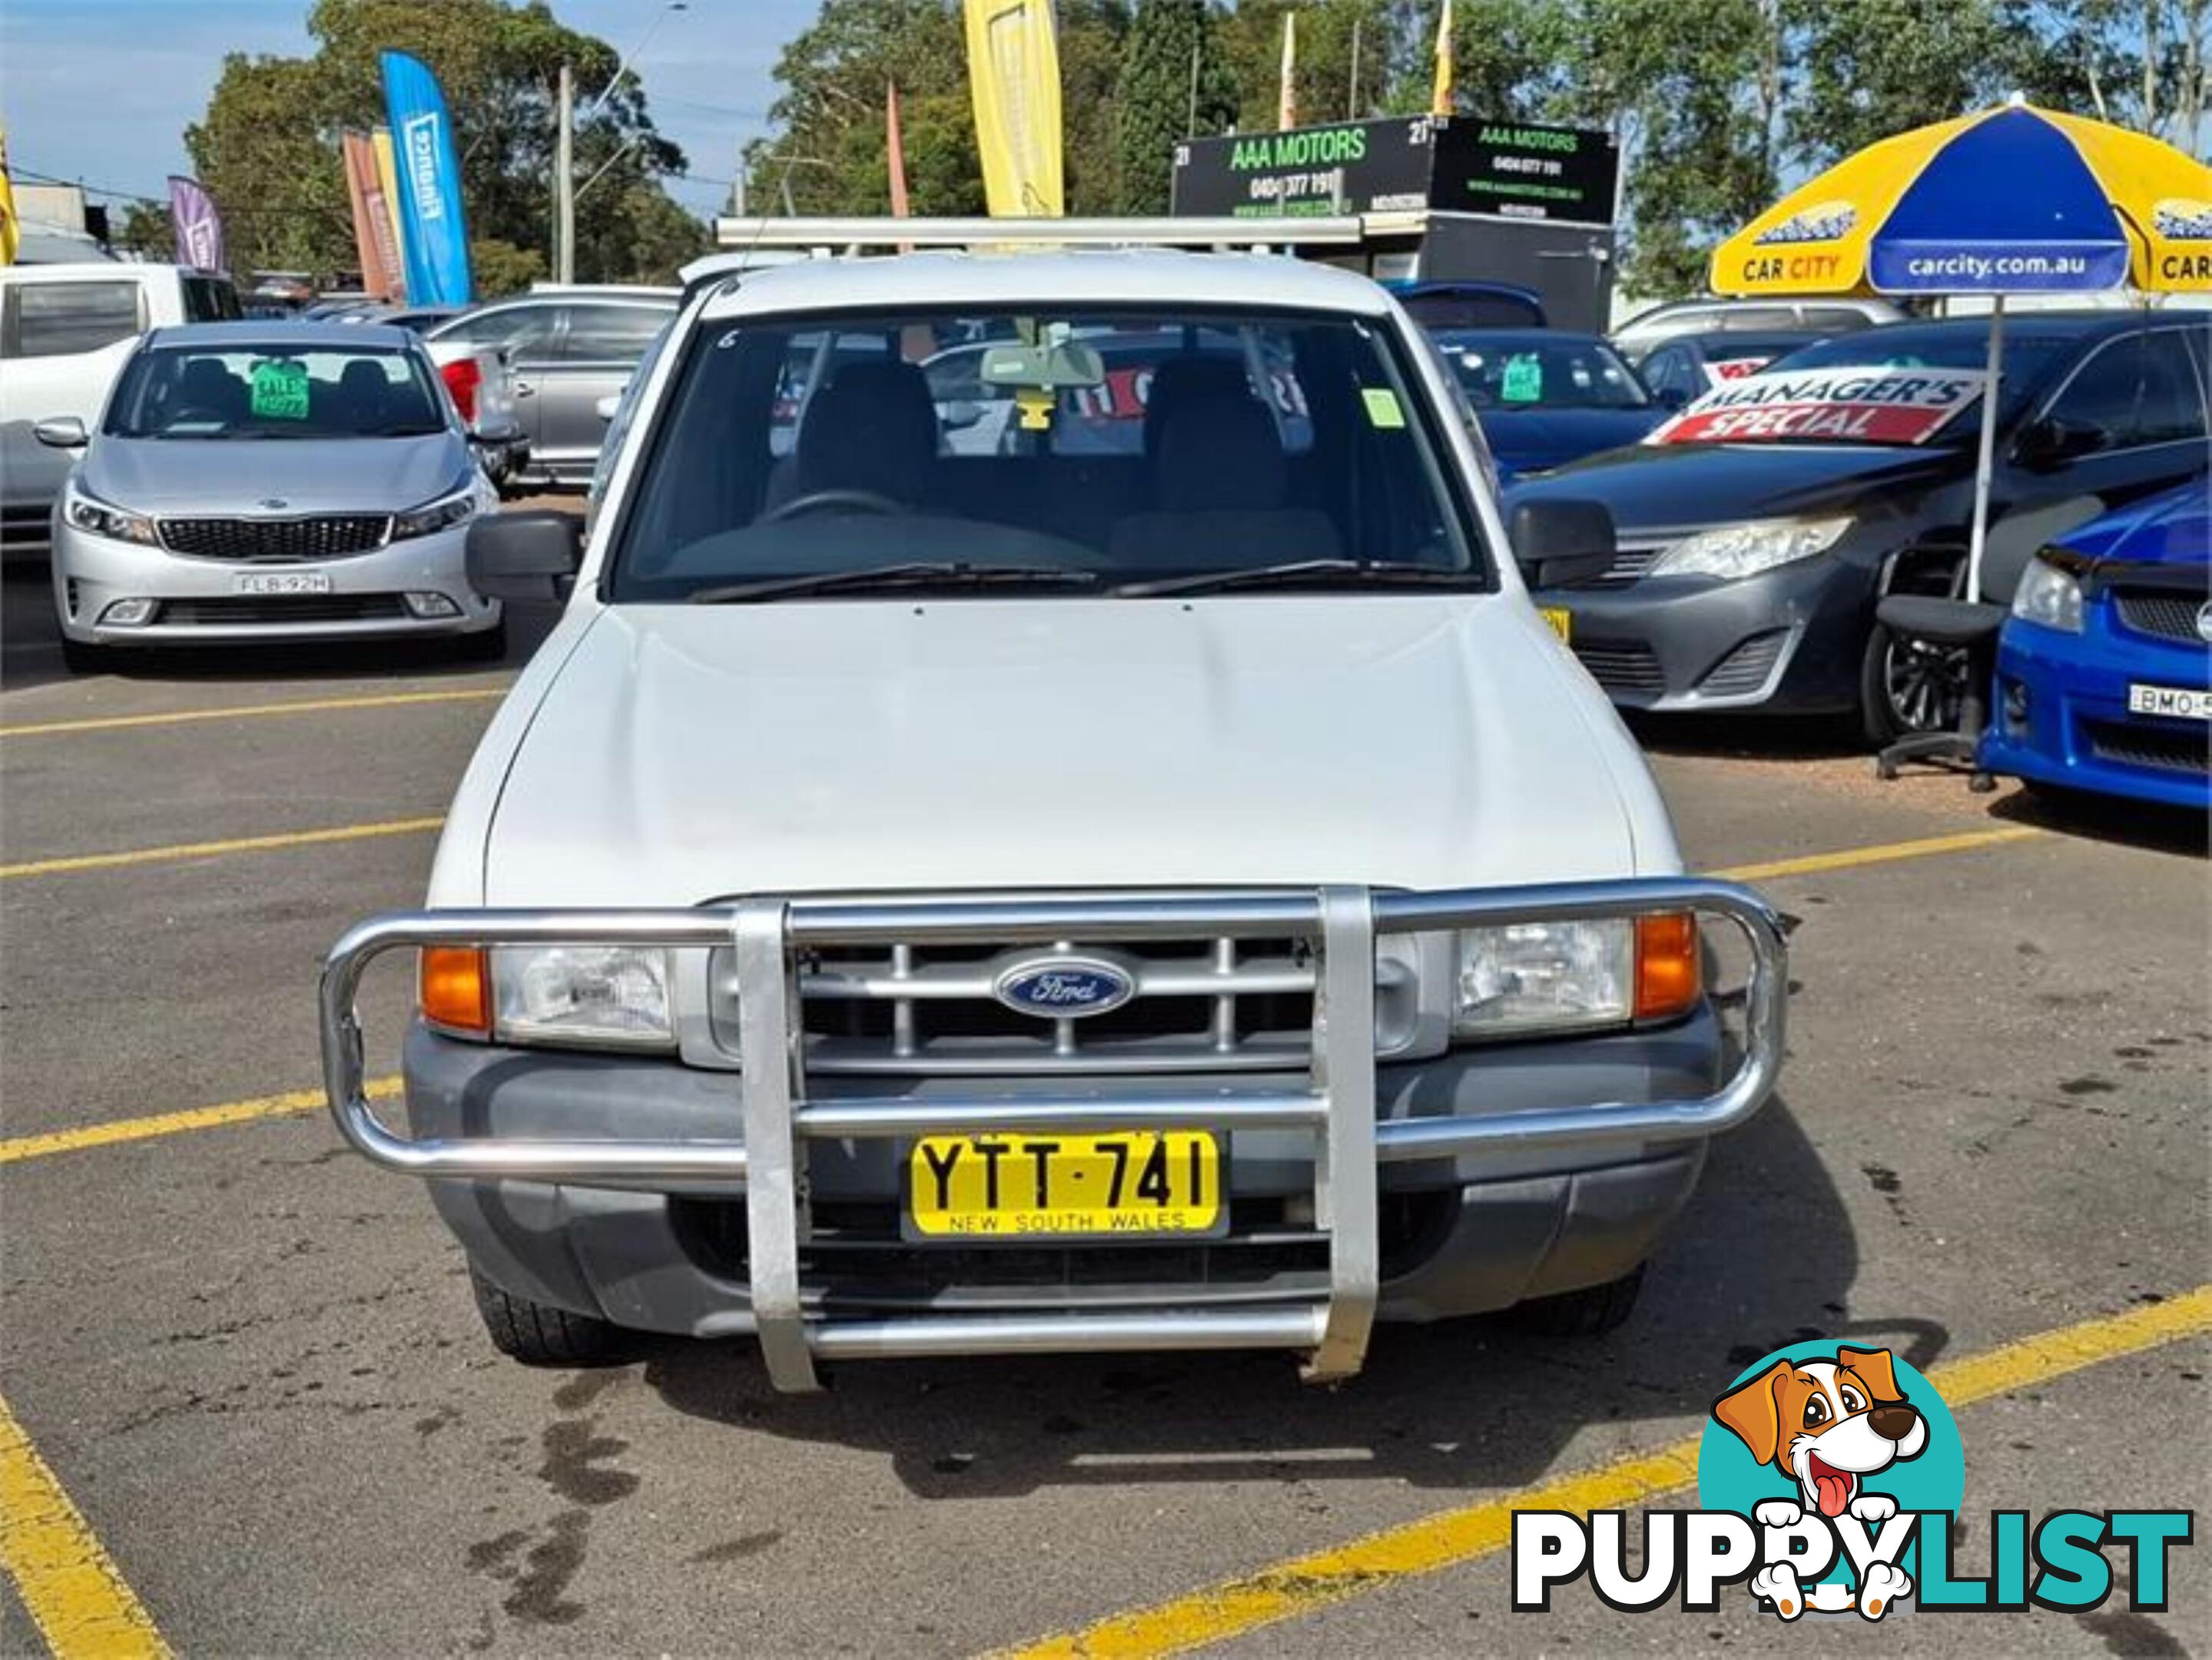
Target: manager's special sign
(1840, 405)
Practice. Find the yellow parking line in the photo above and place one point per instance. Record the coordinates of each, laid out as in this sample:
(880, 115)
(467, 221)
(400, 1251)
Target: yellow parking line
(251, 711)
(1881, 854)
(68, 1584)
(176, 1123)
(217, 849)
(1308, 1583)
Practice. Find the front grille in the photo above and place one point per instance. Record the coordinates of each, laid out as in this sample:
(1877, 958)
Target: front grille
(1621, 665)
(288, 608)
(855, 1259)
(2164, 749)
(1201, 1004)
(2161, 613)
(1629, 563)
(276, 541)
(1746, 668)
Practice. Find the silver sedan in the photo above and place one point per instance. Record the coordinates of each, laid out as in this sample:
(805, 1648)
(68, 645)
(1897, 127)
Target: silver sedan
(260, 482)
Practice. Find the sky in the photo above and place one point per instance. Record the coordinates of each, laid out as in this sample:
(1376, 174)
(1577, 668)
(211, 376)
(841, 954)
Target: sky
(102, 91)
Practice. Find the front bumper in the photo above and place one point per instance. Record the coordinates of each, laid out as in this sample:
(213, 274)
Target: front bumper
(1548, 1165)
(198, 602)
(1789, 639)
(2059, 715)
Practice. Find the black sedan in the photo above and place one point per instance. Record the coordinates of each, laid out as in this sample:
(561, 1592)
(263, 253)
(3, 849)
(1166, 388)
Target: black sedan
(1751, 556)
(1545, 397)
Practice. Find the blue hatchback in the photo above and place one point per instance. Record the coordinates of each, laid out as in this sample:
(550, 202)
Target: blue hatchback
(2104, 676)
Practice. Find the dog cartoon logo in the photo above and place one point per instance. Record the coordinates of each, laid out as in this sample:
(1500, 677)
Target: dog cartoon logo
(1825, 1443)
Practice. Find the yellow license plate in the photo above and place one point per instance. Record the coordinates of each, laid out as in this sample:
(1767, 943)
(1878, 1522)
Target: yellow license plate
(1132, 1185)
(1561, 619)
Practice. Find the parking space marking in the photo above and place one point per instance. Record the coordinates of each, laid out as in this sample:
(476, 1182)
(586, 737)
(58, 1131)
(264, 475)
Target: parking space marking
(1881, 854)
(69, 1583)
(1453, 1537)
(252, 711)
(176, 1123)
(182, 850)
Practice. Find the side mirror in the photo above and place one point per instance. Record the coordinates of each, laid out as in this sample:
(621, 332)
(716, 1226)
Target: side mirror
(62, 432)
(524, 555)
(1558, 544)
(1672, 398)
(2051, 443)
(604, 408)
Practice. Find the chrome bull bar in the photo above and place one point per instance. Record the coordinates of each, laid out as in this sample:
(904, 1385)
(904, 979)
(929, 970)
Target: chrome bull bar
(776, 1119)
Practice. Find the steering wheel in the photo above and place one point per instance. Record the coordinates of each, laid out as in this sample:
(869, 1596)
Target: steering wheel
(823, 501)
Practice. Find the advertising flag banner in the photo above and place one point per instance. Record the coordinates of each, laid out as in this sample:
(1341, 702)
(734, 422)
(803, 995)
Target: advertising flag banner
(1013, 67)
(10, 232)
(1286, 93)
(387, 179)
(433, 233)
(198, 226)
(1841, 406)
(1440, 96)
(376, 241)
(895, 150)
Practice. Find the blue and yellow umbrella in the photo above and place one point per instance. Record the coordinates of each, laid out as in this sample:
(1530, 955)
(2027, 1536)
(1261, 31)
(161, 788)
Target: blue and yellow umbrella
(2009, 200)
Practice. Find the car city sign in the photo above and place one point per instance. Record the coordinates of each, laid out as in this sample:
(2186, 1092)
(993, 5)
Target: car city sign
(1849, 406)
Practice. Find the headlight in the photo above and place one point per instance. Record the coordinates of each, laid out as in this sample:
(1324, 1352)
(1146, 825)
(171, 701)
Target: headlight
(90, 513)
(586, 994)
(441, 514)
(1746, 550)
(1527, 977)
(2048, 595)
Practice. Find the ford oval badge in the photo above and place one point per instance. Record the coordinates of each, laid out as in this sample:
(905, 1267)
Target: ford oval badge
(1064, 988)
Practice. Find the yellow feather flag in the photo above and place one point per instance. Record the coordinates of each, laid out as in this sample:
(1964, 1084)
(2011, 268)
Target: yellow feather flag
(11, 235)
(1287, 97)
(1013, 70)
(1440, 98)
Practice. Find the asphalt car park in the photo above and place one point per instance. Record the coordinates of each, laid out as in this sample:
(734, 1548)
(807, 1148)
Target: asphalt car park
(250, 1363)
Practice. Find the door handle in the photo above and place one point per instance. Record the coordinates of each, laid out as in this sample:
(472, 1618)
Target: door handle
(525, 389)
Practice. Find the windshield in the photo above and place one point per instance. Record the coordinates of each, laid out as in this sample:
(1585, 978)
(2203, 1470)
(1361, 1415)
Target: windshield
(2028, 353)
(1508, 372)
(1065, 452)
(268, 389)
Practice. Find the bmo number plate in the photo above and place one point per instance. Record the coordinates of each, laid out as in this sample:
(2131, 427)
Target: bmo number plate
(282, 582)
(1135, 1185)
(2181, 702)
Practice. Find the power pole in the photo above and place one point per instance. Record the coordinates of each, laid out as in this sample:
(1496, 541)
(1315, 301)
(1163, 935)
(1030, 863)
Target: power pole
(1351, 92)
(564, 181)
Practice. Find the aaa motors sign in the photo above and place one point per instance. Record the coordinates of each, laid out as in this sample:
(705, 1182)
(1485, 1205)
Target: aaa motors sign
(1845, 405)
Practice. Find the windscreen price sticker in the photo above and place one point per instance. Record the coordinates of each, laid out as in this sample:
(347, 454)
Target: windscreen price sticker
(1842, 405)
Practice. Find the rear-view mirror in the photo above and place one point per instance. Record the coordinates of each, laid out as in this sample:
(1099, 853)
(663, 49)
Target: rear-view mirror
(1044, 367)
(62, 432)
(1557, 544)
(524, 555)
(2052, 441)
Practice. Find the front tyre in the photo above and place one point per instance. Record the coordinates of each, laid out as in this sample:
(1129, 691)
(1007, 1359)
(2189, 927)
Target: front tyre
(490, 645)
(81, 657)
(1908, 685)
(539, 1334)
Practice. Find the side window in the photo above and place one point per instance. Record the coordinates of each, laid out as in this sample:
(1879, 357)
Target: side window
(610, 334)
(56, 319)
(1842, 319)
(210, 300)
(525, 331)
(1662, 370)
(2106, 393)
(2172, 404)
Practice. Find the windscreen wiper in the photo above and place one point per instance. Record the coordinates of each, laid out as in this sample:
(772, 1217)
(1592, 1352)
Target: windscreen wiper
(912, 574)
(1321, 573)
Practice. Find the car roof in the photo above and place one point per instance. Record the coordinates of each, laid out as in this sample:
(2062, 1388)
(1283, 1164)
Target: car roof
(1740, 340)
(1529, 339)
(1142, 276)
(299, 335)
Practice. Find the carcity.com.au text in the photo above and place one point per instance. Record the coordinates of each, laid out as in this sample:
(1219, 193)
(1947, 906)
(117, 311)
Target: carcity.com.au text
(1981, 267)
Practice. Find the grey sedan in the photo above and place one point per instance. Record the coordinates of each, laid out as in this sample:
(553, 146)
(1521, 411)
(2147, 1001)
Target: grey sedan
(260, 482)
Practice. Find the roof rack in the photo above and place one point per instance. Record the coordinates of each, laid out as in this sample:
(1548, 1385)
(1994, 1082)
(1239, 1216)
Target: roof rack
(855, 236)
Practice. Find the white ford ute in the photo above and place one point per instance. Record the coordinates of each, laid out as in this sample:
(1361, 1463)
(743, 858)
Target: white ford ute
(1148, 880)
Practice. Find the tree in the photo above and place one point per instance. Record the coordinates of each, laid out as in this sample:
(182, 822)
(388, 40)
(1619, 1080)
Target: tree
(1879, 67)
(146, 231)
(267, 147)
(1323, 76)
(1175, 83)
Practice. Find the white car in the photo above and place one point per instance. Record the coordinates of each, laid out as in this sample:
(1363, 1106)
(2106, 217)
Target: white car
(65, 331)
(1181, 896)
